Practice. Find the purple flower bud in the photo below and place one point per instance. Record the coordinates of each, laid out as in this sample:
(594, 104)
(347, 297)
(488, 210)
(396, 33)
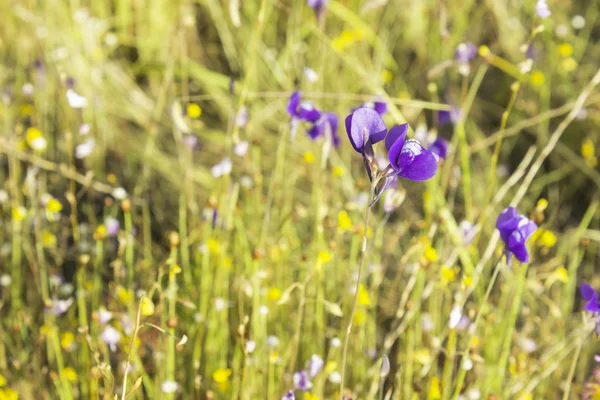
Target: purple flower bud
(315, 365)
(439, 147)
(289, 396)
(112, 226)
(514, 230)
(319, 6)
(408, 158)
(589, 294)
(365, 125)
(302, 381)
(465, 52)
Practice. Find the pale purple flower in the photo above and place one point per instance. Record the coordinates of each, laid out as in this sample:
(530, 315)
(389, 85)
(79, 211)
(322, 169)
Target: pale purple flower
(319, 6)
(60, 307)
(465, 52)
(112, 226)
(542, 10)
(111, 337)
(104, 316)
(241, 118)
(302, 380)
(85, 149)
(315, 365)
(289, 396)
(190, 141)
(222, 168)
(241, 148)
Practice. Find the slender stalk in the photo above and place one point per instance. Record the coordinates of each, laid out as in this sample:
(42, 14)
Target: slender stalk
(358, 279)
(572, 371)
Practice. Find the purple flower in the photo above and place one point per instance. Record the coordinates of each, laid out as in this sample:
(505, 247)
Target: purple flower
(112, 226)
(61, 306)
(542, 10)
(407, 157)
(379, 106)
(319, 6)
(302, 110)
(465, 52)
(289, 396)
(439, 147)
(111, 337)
(319, 128)
(589, 294)
(365, 126)
(445, 117)
(315, 365)
(514, 230)
(302, 381)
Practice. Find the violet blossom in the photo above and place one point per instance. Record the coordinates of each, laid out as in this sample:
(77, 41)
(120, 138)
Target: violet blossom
(514, 230)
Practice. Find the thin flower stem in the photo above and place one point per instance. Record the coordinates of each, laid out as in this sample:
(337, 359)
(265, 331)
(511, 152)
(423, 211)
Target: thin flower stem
(572, 370)
(358, 279)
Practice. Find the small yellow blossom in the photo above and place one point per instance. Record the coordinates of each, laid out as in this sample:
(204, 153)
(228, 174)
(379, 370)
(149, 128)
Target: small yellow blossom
(8, 394)
(221, 375)
(274, 357)
(100, 232)
(213, 246)
(537, 78)
(343, 41)
(568, 64)
(2, 380)
(273, 294)
(344, 221)
(111, 178)
(67, 339)
(430, 254)
(19, 213)
(447, 274)
(53, 206)
(48, 240)
(565, 50)
(474, 341)
(147, 306)
(386, 76)
(310, 396)
(338, 171)
(330, 367)
(359, 318)
(194, 110)
(175, 269)
(35, 139)
(541, 205)
(587, 148)
(434, 389)
(544, 238)
(70, 374)
(324, 256)
(124, 296)
(484, 51)
(562, 274)
(309, 157)
(468, 280)
(363, 296)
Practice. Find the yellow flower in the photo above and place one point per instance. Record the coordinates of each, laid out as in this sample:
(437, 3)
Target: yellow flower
(70, 374)
(35, 139)
(344, 221)
(363, 296)
(221, 375)
(124, 295)
(588, 151)
(147, 306)
(386, 76)
(447, 274)
(568, 64)
(19, 213)
(48, 239)
(546, 238)
(309, 396)
(213, 246)
(324, 256)
(330, 367)
(468, 281)
(274, 294)
(359, 318)
(111, 178)
(434, 389)
(175, 269)
(2, 380)
(541, 205)
(338, 171)
(53, 206)
(484, 51)
(565, 50)
(67, 339)
(309, 157)
(194, 110)
(430, 254)
(8, 394)
(562, 274)
(537, 78)
(343, 41)
(100, 232)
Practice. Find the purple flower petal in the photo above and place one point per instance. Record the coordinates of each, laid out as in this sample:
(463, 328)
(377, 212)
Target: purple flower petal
(395, 137)
(416, 162)
(308, 112)
(365, 124)
(302, 381)
(380, 107)
(293, 103)
(439, 147)
(588, 292)
(516, 244)
(315, 365)
(465, 52)
(289, 396)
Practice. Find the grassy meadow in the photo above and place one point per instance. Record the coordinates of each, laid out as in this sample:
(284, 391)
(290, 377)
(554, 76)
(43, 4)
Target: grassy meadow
(169, 231)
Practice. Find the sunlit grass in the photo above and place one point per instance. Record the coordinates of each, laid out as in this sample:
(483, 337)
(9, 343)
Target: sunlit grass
(165, 235)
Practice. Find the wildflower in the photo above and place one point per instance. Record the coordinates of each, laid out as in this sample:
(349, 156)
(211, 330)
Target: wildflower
(319, 6)
(112, 226)
(272, 341)
(241, 118)
(427, 323)
(365, 127)
(537, 78)
(455, 316)
(19, 213)
(542, 10)
(578, 22)
(468, 232)
(344, 221)
(27, 89)
(335, 377)
(111, 337)
(5, 280)
(310, 396)
(514, 230)
(104, 316)
(465, 52)
(222, 168)
(328, 122)
(379, 106)
(310, 74)
(335, 342)
(169, 386)
(315, 365)
(302, 110)
(439, 147)
(146, 306)
(250, 346)
(221, 375)
(67, 341)
(589, 294)
(301, 380)
(59, 307)
(85, 149)
(445, 117)
(190, 141)
(70, 374)
(274, 294)
(363, 296)
(194, 110)
(241, 148)
(75, 100)
(434, 389)
(35, 140)
(119, 193)
(289, 396)
(309, 157)
(408, 158)
(8, 394)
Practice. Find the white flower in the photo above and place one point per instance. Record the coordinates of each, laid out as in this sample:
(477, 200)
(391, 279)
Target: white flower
(222, 168)
(542, 10)
(104, 316)
(169, 386)
(85, 149)
(220, 304)
(111, 337)
(578, 22)
(454, 317)
(75, 100)
(250, 346)
(310, 74)
(467, 364)
(263, 310)
(5, 280)
(119, 193)
(335, 342)
(335, 377)
(272, 341)
(241, 148)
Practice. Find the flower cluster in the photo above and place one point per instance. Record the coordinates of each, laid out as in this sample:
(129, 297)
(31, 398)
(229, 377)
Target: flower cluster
(407, 157)
(589, 294)
(320, 123)
(514, 230)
